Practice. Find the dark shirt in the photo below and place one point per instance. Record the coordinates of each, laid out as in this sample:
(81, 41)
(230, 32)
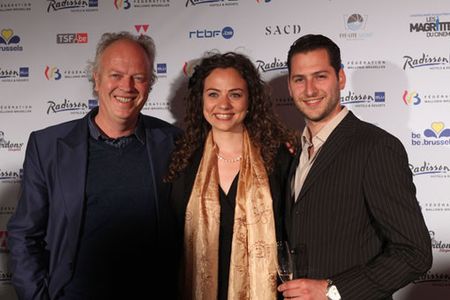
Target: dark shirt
(227, 206)
(119, 230)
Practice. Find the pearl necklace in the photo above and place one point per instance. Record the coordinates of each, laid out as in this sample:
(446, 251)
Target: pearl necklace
(231, 160)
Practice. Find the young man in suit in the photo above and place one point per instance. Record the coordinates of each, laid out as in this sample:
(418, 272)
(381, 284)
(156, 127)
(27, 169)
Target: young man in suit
(352, 218)
(93, 217)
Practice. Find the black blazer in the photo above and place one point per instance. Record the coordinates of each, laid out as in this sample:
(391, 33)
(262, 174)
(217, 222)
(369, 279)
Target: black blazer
(45, 229)
(357, 220)
(182, 188)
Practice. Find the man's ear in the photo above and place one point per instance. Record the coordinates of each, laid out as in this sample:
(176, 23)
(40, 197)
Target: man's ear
(96, 78)
(342, 79)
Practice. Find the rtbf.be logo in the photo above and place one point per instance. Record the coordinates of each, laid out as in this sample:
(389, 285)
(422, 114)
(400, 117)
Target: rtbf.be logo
(226, 32)
(437, 135)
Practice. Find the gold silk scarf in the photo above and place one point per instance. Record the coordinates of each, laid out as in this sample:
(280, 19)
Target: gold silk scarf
(253, 248)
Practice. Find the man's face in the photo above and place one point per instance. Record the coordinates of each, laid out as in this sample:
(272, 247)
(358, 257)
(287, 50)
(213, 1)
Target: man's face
(122, 84)
(314, 86)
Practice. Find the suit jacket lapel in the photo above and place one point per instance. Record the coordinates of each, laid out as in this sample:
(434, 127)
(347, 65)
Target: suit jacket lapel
(71, 167)
(332, 147)
(288, 196)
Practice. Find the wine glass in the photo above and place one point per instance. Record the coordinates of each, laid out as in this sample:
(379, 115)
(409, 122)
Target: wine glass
(285, 263)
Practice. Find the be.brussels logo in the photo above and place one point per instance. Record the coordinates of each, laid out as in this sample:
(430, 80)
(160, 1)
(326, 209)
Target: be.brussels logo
(141, 28)
(277, 30)
(376, 99)
(431, 25)
(436, 135)
(216, 3)
(72, 5)
(365, 64)
(426, 61)
(432, 170)
(15, 5)
(72, 38)
(11, 176)
(61, 106)
(411, 98)
(3, 239)
(275, 64)
(14, 74)
(227, 33)
(355, 26)
(6, 144)
(9, 41)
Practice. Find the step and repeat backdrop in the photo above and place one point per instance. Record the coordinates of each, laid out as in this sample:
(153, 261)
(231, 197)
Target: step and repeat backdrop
(396, 55)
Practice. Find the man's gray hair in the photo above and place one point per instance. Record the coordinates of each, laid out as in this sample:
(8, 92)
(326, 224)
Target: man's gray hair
(145, 41)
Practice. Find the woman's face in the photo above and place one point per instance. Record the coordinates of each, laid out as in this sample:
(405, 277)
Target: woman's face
(225, 100)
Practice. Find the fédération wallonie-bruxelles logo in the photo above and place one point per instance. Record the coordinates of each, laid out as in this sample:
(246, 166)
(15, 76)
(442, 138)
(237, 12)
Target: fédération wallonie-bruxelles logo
(437, 135)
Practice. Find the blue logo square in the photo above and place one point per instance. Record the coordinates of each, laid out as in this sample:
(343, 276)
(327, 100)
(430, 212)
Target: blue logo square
(23, 72)
(161, 68)
(379, 97)
(92, 103)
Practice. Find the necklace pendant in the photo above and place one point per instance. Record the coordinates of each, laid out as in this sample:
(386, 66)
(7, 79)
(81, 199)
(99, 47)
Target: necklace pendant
(230, 160)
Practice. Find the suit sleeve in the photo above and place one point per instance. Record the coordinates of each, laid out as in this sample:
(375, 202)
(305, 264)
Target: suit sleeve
(390, 197)
(27, 229)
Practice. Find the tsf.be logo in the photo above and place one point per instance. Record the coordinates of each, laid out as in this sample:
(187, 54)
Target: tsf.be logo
(72, 38)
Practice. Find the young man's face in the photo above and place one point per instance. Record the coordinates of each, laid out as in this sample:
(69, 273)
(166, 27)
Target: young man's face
(314, 85)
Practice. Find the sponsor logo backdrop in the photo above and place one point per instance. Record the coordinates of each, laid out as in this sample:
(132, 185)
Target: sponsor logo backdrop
(396, 55)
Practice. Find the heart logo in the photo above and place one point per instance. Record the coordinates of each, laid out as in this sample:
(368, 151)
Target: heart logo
(7, 34)
(437, 127)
